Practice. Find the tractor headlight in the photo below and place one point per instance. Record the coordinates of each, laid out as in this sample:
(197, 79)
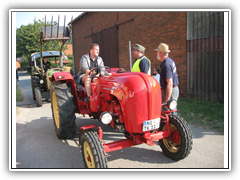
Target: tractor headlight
(172, 104)
(41, 81)
(105, 118)
(61, 77)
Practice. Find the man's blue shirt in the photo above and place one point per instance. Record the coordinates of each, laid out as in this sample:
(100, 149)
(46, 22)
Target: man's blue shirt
(168, 70)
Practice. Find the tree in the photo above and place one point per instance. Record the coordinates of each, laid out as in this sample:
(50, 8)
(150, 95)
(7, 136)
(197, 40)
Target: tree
(28, 40)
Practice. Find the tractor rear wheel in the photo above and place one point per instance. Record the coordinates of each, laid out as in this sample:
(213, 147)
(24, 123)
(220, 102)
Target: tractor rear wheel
(92, 150)
(179, 144)
(63, 110)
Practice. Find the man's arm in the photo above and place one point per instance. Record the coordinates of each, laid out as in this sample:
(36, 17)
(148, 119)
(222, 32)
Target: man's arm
(168, 89)
(84, 65)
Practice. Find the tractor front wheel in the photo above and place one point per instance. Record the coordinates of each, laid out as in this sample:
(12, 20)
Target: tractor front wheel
(179, 144)
(92, 150)
(63, 110)
(38, 96)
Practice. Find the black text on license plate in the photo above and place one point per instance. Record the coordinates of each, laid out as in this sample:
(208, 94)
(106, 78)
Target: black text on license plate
(151, 124)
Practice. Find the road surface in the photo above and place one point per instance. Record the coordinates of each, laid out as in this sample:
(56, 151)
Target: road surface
(37, 145)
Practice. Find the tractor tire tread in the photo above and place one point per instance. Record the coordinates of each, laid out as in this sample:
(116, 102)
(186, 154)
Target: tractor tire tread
(66, 110)
(186, 139)
(38, 96)
(97, 151)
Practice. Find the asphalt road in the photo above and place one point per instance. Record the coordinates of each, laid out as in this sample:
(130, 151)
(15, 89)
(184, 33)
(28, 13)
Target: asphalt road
(37, 145)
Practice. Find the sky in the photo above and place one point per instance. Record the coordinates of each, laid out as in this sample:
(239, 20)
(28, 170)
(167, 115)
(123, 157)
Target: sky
(25, 18)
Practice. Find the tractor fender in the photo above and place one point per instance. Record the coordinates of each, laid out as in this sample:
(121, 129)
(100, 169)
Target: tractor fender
(83, 128)
(66, 76)
(59, 76)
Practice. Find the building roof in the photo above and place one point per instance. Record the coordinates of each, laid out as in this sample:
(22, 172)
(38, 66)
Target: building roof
(80, 16)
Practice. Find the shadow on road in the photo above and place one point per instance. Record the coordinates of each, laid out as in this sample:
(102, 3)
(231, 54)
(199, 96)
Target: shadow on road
(38, 146)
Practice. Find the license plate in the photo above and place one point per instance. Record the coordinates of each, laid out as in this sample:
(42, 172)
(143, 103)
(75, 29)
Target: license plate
(151, 124)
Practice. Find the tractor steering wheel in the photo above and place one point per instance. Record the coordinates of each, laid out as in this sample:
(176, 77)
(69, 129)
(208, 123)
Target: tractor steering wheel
(96, 68)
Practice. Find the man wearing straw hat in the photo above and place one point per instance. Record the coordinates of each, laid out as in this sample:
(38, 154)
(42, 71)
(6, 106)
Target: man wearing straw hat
(168, 74)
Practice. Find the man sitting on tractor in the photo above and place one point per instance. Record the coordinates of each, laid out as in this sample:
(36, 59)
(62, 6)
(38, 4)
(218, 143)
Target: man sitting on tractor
(87, 64)
(46, 64)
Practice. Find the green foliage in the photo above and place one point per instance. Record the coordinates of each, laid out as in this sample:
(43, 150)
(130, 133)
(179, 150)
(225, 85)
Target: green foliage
(28, 40)
(24, 63)
(206, 114)
(70, 64)
(70, 59)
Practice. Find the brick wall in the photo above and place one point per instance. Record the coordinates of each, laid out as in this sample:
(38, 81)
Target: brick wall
(148, 29)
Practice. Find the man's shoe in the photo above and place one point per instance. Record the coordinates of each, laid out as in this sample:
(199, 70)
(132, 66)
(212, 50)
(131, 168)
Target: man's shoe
(87, 100)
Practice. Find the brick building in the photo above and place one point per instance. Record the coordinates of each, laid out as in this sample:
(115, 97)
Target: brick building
(69, 50)
(113, 31)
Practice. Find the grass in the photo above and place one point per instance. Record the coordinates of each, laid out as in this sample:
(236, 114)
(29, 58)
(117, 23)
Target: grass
(19, 97)
(201, 113)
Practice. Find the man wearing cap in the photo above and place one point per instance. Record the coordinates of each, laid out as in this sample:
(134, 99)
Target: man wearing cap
(142, 63)
(168, 75)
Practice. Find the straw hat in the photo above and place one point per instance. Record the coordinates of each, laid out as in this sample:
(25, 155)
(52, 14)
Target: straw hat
(163, 47)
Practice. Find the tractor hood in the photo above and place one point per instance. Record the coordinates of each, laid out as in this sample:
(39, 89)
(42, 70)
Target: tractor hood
(139, 95)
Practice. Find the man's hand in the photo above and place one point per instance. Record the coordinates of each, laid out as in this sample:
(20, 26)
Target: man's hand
(39, 69)
(92, 72)
(96, 76)
(121, 70)
(165, 105)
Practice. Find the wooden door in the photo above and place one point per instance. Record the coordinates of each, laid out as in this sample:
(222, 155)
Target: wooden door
(108, 42)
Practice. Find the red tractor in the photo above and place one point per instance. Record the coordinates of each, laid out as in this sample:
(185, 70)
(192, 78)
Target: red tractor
(130, 103)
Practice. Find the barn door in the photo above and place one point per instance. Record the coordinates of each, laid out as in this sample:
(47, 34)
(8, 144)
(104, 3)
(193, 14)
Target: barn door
(108, 42)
